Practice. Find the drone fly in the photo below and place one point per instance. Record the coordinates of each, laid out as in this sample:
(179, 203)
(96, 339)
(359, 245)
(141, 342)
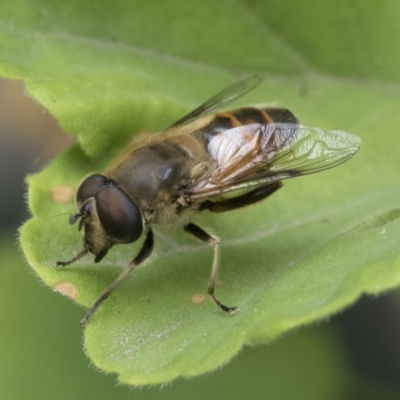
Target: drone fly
(191, 167)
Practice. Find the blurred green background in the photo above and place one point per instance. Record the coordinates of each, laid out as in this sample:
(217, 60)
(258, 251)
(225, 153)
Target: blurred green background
(355, 355)
(352, 356)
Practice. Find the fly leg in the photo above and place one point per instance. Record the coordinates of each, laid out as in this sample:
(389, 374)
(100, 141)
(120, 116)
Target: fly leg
(233, 203)
(143, 254)
(73, 259)
(201, 234)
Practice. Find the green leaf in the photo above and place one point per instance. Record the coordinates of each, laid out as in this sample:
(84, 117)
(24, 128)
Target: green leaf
(107, 70)
(312, 352)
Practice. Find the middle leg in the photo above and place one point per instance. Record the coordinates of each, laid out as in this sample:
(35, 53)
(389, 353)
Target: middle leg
(201, 234)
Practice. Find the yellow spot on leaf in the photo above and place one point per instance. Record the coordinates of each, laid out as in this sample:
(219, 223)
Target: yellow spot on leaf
(62, 194)
(197, 298)
(67, 289)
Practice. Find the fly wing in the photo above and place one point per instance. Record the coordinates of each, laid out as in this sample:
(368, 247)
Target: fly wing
(257, 154)
(228, 95)
(313, 150)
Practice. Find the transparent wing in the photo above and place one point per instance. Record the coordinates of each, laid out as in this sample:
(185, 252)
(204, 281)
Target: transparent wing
(228, 95)
(312, 150)
(257, 154)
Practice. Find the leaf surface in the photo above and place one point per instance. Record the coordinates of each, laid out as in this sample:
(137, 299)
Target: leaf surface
(107, 70)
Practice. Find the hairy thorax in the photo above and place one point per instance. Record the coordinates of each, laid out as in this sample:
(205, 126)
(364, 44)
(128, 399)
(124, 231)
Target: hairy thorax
(152, 176)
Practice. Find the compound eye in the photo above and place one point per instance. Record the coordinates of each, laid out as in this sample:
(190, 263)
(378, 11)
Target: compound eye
(119, 215)
(91, 186)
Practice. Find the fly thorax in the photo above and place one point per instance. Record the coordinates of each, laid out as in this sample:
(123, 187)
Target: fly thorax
(152, 173)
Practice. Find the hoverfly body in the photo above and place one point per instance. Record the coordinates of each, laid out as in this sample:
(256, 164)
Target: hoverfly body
(190, 167)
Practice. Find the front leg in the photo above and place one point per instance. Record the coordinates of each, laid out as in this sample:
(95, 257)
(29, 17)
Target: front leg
(201, 234)
(143, 254)
(72, 260)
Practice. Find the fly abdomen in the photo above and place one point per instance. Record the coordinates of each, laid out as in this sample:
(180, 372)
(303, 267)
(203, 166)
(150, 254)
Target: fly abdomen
(224, 121)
